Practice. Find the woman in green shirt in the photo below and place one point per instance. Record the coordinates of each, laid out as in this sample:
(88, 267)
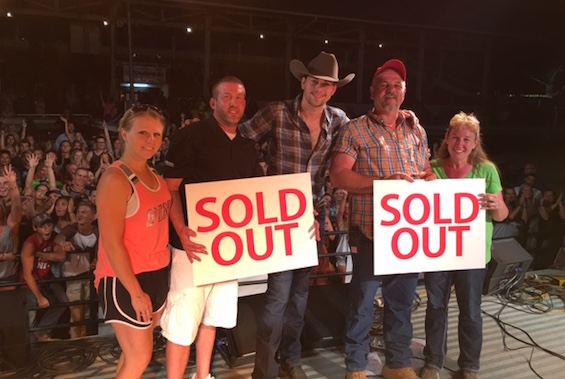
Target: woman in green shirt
(461, 156)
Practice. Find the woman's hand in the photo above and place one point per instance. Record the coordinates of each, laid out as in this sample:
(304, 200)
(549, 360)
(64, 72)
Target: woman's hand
(488, 202)
(143, 307)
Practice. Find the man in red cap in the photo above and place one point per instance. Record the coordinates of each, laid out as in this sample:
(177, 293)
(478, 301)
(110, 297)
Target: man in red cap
(374, 147)
(299, 134)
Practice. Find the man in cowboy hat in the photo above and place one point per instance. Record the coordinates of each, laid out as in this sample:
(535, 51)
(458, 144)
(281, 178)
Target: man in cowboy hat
(374, 147)
(299, 134)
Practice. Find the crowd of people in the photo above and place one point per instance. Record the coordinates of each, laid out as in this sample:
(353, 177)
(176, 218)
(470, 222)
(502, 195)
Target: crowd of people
(116, 206)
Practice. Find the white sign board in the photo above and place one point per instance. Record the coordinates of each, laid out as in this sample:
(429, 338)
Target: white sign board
(428, 226)
(252, 226)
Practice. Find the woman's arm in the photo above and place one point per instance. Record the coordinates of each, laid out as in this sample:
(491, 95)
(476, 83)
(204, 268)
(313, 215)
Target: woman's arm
(24, 127)
(69, 135)
(50, 159)
(114, 190)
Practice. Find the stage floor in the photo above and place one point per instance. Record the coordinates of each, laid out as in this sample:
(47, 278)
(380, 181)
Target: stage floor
(95, 357)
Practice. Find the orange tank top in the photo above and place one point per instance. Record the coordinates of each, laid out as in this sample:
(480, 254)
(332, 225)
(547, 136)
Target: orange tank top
(146, 232)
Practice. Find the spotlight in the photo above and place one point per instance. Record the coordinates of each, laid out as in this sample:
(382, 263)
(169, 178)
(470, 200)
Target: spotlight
(380, 45)
(261, 36)
(326, 41)
(188, 29)
(8, 14)
(105, 23)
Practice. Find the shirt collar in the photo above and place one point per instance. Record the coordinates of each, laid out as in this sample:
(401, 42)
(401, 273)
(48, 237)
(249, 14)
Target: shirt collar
(296, 112)
(378, 120)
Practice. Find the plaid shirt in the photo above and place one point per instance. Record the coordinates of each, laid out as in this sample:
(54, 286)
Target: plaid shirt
(381, 152)
(289, 146)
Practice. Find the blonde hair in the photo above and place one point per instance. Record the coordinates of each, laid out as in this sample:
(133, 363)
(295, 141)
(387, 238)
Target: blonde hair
(464, 121)
(131, 114)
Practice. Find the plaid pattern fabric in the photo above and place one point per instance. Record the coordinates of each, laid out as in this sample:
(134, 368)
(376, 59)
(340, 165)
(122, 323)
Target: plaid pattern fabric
(381, 152)
(289, 146)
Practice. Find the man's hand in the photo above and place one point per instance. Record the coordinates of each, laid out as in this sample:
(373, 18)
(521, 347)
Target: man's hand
(408, 114)
(400, 176)
(192, 249)
(67, 246)
(315, 228)
(43, 302)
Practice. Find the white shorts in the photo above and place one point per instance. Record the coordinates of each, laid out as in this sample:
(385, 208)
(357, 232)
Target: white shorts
(189, 306)
(78, 290)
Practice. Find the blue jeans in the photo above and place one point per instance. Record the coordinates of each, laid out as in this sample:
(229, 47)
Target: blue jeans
(398, 294)
(468, 289)
(281, 322)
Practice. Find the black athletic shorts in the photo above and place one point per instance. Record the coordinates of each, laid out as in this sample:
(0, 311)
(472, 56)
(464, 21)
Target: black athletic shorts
(116, 301)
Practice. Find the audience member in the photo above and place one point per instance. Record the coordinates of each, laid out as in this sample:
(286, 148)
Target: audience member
(62, 213)
(105, 162)
(530, 180)
(551, 230)
(77, 188)
(10, 218)
(5, 161)
(68, 134)
(63, 157)
(512, 226)
(530, 216)
(102, 145)
(76, 245)
(19, 160)
(77, 157)
(37, 256)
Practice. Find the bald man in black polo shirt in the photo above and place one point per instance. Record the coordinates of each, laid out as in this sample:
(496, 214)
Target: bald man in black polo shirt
(205, 151)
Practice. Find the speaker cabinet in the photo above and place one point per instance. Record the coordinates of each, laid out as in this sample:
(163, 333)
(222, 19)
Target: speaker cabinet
(507, 267)
(14, 345)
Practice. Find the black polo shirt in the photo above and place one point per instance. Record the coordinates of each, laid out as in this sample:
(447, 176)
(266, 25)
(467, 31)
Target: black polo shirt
(202, 152)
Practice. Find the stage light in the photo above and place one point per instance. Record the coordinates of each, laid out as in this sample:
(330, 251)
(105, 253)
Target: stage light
(261, 36)
(326, 41)
(105, 23)
(188, 29)
(380, 45)
(8, 14)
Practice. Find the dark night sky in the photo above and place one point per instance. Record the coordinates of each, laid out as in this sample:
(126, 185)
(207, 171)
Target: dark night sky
(522, 17)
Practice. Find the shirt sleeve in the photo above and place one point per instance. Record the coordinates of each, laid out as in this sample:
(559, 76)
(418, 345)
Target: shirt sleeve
(260, 124)
(180, 157)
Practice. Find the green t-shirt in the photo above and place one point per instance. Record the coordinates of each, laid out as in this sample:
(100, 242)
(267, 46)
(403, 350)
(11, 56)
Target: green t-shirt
(485, 171)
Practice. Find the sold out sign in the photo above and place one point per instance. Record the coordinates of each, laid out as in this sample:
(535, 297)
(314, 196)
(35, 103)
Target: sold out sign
(428, 226)
(252, 226)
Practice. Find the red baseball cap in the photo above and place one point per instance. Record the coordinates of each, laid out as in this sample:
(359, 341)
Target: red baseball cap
(392, 64)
